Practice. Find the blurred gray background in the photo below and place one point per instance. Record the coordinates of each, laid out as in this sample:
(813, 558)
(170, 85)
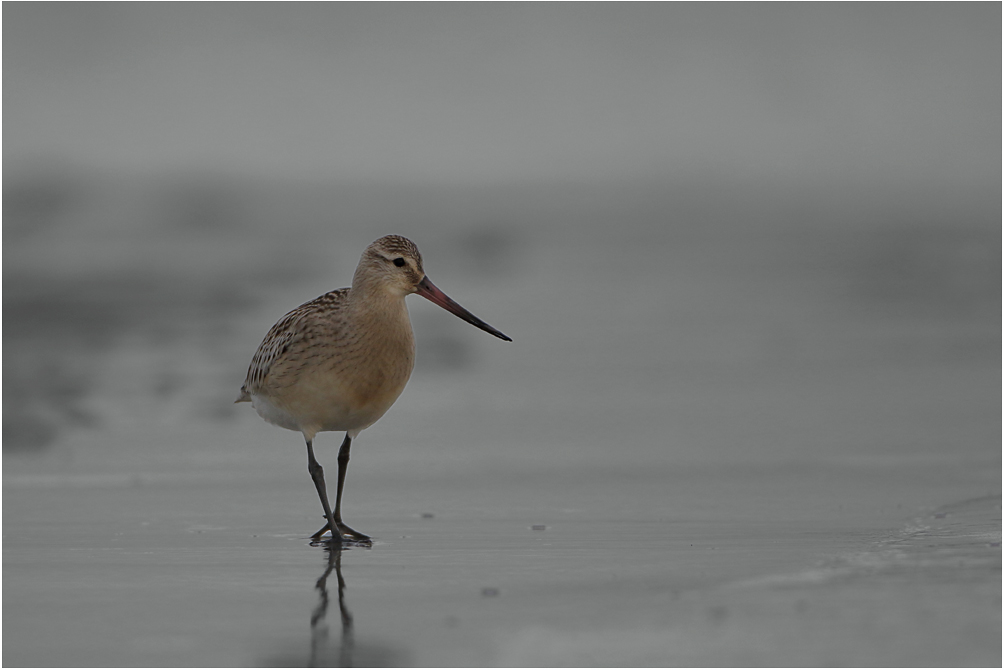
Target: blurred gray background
(748, 255)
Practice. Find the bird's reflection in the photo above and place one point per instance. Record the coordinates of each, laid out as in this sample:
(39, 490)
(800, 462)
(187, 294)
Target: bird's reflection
(320, 655)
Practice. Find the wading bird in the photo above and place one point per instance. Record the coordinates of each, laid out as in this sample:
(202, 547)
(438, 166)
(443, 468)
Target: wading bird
(340, 361)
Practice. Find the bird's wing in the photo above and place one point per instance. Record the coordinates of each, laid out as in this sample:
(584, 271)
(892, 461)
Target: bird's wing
(296, 326)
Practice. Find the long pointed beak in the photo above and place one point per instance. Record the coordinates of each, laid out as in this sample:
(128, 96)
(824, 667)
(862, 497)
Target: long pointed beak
(428, 290)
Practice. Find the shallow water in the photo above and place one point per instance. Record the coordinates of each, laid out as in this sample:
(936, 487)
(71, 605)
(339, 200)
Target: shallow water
(171, 573)
(726, 433)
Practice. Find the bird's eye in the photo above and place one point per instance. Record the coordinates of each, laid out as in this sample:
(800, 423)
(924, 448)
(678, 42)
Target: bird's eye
(399, 262)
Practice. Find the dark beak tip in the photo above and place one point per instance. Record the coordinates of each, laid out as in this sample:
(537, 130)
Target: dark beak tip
(431, 292)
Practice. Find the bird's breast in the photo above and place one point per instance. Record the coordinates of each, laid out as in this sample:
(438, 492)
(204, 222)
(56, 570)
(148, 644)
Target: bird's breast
(378, 380)
(362, 379)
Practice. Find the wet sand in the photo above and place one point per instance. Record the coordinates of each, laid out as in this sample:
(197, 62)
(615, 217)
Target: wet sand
(710, 443)
(175, 573)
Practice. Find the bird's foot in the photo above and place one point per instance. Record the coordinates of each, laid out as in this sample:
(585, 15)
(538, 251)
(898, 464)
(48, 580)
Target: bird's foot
(353, 535)
(345, 535)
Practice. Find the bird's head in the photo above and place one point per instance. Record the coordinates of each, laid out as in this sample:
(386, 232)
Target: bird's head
(393, 266)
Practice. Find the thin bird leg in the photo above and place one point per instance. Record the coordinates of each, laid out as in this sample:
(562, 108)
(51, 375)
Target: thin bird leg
(343, 466)
(317, 474)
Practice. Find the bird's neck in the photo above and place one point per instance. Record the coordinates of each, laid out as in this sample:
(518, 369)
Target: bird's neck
(375, 305)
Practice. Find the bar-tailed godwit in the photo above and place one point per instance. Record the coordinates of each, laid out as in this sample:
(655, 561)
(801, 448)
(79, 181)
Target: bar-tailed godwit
(340, 361)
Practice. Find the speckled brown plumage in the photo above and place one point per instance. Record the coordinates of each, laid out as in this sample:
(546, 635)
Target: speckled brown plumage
(298, 328)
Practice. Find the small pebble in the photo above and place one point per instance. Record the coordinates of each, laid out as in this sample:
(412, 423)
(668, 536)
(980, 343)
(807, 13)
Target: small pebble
(489, 592)
(538, 526)
(428, 515)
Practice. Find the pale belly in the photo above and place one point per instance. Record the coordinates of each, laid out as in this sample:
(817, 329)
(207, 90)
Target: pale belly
(322, 402)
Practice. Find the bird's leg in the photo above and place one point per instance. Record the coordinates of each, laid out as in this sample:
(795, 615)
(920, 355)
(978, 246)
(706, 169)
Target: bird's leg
(343, 466)
(343, 530)
(317, 474)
